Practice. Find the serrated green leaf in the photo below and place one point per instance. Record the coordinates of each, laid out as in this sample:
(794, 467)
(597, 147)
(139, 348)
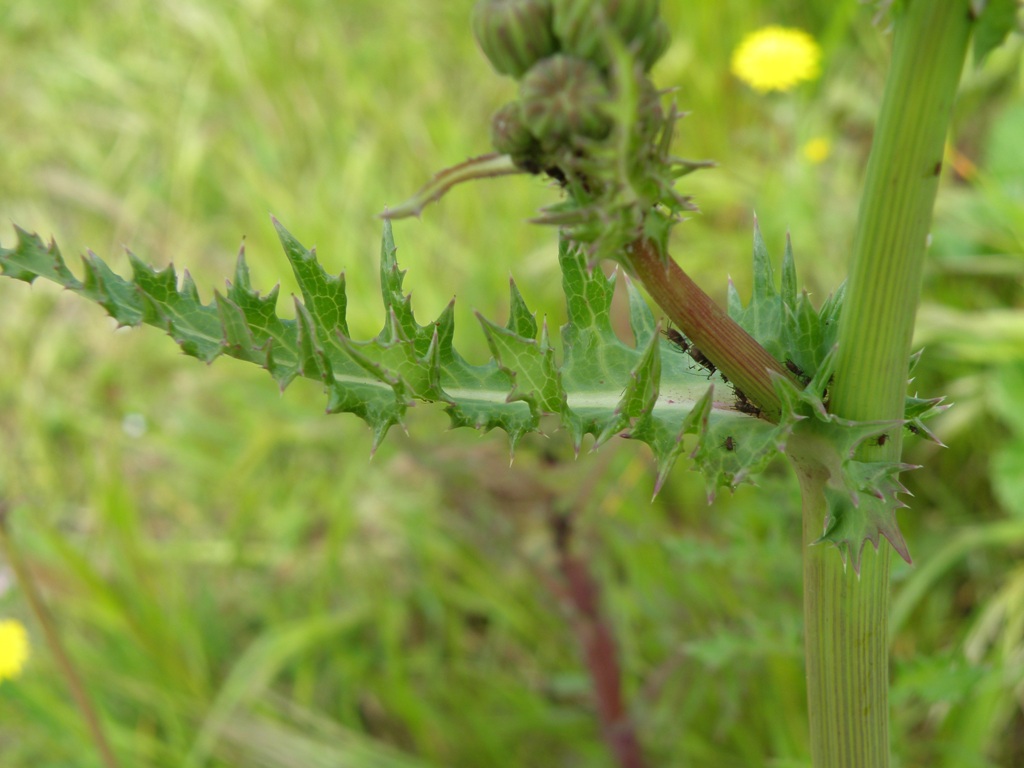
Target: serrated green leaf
(32, 259)
(118, 297)
(324, 294)
(640, 395)
(520, 320)
(530, 366)
(602, 386)
(649, 390)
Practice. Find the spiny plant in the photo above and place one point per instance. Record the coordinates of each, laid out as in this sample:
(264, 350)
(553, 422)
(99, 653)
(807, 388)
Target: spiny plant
(657, 391)
(729, 388)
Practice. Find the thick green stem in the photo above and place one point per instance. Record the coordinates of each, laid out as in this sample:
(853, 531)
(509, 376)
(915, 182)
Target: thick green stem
(846, 647)
(846, 618)
(896, 210)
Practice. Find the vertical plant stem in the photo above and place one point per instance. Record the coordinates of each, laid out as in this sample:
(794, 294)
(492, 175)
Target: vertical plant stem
(896, 209)
(846, 618)
(846, 646)
(53, 640)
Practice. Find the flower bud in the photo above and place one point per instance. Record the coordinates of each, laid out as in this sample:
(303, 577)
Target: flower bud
(580, 25)
(563, 97)
(510, 136)
(514, 34)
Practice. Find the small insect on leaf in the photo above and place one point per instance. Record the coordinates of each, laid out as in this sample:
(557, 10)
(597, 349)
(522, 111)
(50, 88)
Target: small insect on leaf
(729, 444)
(882, 439)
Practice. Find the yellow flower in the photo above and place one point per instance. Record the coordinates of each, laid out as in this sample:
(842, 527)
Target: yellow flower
(817, 149)
(13, 648)
(776, 59)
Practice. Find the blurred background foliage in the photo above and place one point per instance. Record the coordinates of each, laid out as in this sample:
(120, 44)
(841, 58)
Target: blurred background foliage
(243, 586)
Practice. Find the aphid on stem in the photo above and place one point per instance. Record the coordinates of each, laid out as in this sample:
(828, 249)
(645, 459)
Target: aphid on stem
(797, 371)
(743, 404)
(678, 340)
(681, 343)
(702, 360)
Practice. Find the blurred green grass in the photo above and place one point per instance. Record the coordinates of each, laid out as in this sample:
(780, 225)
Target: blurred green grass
(242, 585)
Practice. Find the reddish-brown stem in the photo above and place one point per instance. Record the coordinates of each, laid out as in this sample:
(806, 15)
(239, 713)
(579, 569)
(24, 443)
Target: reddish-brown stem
(734, 351)
(581, 591)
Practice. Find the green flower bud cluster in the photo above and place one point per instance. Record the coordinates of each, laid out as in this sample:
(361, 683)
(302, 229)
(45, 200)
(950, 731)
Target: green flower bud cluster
(561, 53)
(587, 114)
(636, 22)
(564, 96)
(516, 34)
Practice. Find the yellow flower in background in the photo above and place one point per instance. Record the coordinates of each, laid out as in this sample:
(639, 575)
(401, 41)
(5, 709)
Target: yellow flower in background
(776, 59)
(13, 648)
(817, 150)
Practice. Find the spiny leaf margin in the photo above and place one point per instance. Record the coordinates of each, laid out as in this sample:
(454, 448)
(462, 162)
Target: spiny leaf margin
(603, 387)
(862, 497)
